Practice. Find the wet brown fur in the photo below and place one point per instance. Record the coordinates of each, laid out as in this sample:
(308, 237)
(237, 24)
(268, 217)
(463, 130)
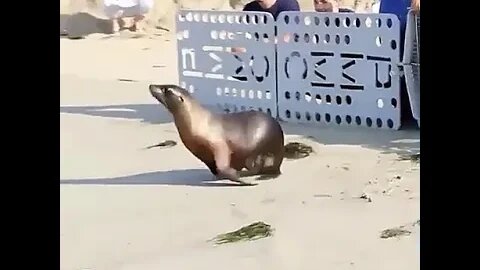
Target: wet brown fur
(226, 143)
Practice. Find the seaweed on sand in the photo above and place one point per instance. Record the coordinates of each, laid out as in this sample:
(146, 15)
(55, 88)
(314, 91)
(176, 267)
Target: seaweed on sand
(297, 150)
(399, 231)
(394, 232)
(415, 158)
(164, 144)
(250, 232)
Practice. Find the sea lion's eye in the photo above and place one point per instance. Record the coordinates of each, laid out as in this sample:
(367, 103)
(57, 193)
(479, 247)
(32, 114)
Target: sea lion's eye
(181, 98)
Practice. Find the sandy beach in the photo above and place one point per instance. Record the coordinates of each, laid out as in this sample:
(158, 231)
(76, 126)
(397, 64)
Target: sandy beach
(127, 208)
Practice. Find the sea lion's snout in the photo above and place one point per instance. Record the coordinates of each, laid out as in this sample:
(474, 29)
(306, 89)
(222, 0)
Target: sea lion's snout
(158, 92)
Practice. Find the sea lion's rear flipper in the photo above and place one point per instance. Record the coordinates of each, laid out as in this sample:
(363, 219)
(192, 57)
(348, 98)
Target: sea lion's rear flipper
(262, 165)
(268, 176)
(254, 165)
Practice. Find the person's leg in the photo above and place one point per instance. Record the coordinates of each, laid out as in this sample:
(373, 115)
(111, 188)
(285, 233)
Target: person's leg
(136, 20)
(137, 13)
(115, 13)
(144, 6)
(121, 23)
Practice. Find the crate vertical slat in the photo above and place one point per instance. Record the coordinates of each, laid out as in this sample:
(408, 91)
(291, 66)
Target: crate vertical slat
(411, 63)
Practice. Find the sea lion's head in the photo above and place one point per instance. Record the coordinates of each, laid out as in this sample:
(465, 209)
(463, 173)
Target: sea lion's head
(173, 97)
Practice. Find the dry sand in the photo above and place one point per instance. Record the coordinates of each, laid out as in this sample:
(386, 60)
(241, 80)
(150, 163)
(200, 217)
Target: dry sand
(126, 208)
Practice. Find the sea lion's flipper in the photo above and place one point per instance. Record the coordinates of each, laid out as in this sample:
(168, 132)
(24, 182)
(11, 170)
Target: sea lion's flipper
(222, 162)
(254, 165)
(263, 165)
(268, 175)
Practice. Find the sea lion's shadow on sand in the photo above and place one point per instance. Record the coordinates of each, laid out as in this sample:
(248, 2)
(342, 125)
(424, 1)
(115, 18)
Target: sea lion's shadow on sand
(187, 177)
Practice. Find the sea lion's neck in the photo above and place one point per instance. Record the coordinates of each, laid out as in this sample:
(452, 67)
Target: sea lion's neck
(187, 119)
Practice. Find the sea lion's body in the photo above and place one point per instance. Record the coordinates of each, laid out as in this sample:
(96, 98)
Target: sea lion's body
(252, 137)
(226, 143)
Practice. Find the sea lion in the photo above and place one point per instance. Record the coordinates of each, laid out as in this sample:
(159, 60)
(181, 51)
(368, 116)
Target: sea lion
(228, 142)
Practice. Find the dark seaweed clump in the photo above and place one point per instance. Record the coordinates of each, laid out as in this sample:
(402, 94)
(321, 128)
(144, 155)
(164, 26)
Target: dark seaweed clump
(164, 144)
(250, 232)
(297, 150)
(399, 231)
(394, 232)
(415, 158)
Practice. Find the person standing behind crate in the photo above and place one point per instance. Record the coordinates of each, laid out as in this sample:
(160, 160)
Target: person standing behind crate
(325, 6)
(120, 9)
(330, 6)
(273, 7)
(399, 8)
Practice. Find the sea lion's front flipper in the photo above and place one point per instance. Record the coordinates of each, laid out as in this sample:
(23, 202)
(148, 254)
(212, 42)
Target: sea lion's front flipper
(222, 160)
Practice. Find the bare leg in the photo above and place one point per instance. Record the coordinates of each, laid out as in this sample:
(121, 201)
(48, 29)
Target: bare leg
(222, 160)
(136, 19)
(121, 24)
